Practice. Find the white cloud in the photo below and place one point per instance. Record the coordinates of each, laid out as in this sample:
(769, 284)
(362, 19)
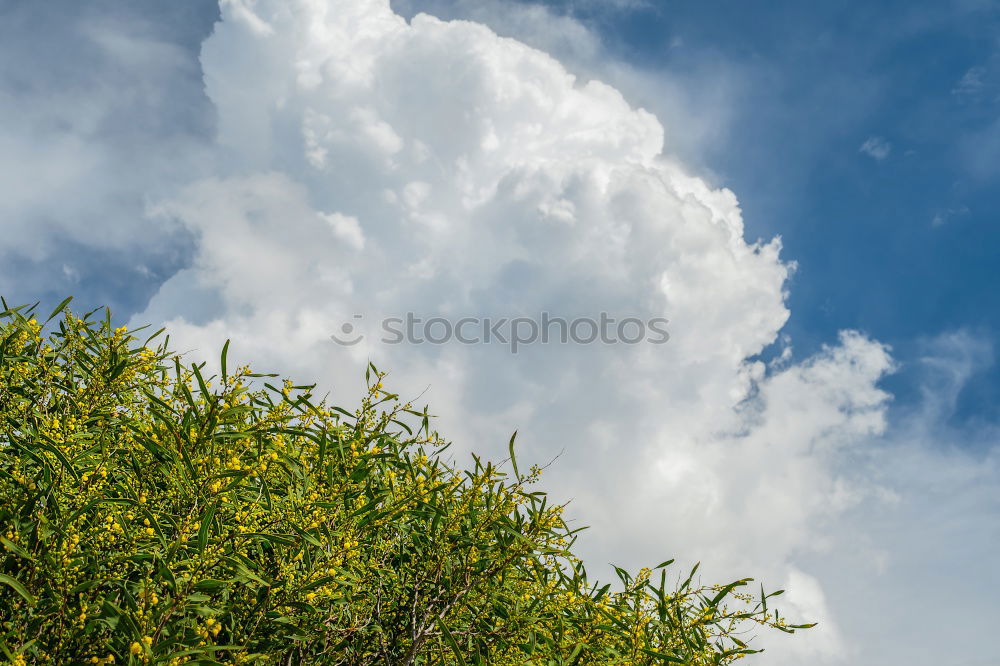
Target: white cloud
(877, 147)
(484, 178)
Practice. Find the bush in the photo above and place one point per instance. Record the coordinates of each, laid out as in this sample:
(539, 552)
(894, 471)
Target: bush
(149, 516)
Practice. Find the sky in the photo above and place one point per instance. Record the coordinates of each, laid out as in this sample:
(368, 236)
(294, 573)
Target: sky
(807, 192)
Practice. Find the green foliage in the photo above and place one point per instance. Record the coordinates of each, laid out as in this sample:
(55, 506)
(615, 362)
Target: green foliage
(151, 514)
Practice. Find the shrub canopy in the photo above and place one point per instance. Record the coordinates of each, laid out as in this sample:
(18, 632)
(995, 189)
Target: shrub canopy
(152, 514)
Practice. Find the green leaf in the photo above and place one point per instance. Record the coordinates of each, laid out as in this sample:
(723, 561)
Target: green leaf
(726, 589)
(59, 308)
(19, 588)
(153, 336)
(201, 382)
(225, 352)
(666, 658)
(513, 458)
(452, 643)
(16, 549)
(305, 535)
(206, 525)
(209, 585)
(273, 539)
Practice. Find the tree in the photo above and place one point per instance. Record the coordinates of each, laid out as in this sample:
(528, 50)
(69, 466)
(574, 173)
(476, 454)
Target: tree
(152, 514)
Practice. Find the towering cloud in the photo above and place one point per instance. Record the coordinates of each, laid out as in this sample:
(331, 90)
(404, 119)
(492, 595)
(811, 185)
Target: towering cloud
(375, 166)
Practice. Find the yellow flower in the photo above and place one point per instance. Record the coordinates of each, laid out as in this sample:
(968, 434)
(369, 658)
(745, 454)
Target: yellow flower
(135, 648)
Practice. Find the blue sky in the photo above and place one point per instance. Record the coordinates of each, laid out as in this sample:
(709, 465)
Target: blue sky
(913, 237)
(818, 81)
(824, 416)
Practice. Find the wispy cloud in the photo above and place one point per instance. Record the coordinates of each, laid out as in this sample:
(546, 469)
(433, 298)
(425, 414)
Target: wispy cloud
(876, 147)
(971, 82)
(943, 217)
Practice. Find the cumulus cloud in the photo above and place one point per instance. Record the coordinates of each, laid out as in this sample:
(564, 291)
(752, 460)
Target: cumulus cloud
(375, 166)
(378, 166)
